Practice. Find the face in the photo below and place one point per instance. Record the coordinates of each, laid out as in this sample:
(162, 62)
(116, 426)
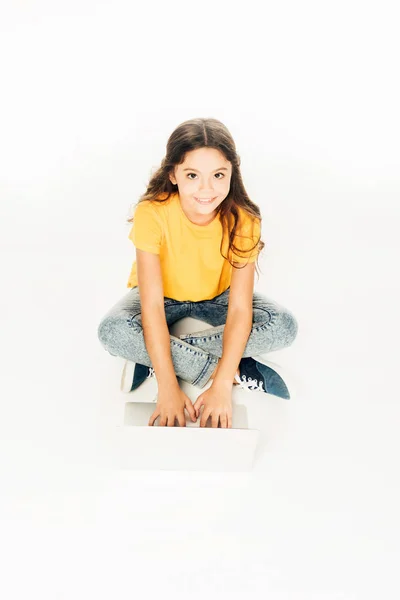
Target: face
(203, 181)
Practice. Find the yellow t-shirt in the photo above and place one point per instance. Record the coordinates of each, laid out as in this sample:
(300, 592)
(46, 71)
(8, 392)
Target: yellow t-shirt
(192, 266)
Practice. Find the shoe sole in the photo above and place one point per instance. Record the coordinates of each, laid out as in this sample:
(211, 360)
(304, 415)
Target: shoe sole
(146, 392)
(127, 376)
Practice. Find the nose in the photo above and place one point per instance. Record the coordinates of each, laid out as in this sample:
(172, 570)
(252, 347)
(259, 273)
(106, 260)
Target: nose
(206, 190)
(205, 186)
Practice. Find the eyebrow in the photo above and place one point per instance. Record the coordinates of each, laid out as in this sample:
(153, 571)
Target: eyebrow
(221, 169)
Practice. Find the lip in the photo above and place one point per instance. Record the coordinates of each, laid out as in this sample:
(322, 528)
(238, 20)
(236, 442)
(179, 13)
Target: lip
(204, 201)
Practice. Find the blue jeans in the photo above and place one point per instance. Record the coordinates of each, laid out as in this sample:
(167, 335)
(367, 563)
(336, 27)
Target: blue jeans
(195, 355)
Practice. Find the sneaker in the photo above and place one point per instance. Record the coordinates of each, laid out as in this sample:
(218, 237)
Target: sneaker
(258, 377)
(133, 375)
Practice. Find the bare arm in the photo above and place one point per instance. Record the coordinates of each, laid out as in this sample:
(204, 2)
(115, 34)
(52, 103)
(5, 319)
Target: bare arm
(238, 325)
(155, 328)
(217, 400)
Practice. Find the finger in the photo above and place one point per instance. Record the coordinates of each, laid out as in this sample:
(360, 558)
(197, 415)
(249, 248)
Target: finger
(214, 420)
(224, 420)
(206, 413)
(181, 418)
(154, 416)
(163, 419)
(189, 407)
(171, 420)
(197, 405)
(230, 421)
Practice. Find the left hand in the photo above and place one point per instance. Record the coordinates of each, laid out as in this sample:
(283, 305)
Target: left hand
(217, 401)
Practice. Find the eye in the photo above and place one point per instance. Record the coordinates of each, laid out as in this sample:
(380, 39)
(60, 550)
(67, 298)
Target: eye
(220, 173)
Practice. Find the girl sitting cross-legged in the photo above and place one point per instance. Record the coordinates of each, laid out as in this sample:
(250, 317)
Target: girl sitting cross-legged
(197, 236)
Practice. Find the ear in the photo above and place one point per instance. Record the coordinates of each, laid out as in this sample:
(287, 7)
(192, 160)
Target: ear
(172, 178)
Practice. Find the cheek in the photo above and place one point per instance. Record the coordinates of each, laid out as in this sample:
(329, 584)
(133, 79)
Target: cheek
(186, 182)
(221, 186)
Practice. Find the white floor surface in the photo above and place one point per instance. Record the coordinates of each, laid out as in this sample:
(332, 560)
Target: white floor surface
(317, 518)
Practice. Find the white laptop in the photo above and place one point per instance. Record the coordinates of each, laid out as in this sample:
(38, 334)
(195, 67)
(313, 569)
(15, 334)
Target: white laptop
(191, 448)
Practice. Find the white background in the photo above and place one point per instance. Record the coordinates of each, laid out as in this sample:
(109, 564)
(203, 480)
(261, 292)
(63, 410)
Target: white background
(90, 92)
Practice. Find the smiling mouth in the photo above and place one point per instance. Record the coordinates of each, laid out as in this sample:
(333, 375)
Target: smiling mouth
(204, 200)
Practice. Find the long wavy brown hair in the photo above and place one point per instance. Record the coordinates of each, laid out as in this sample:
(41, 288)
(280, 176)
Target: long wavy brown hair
(206, 133)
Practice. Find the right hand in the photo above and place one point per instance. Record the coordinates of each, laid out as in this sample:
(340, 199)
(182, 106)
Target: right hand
(170, 405)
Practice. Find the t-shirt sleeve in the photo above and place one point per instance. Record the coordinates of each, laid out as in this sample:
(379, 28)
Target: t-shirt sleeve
(245, 238)
(146, 232)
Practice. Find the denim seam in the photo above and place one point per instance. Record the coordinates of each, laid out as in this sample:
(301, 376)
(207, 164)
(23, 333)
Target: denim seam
(131, 319)
(209, 361)
(186, 349)
(203, 339)
(217, 303)
(258, 327)
(271, 321)
(270, 311)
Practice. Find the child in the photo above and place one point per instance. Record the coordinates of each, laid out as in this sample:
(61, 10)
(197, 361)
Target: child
(197, 237)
